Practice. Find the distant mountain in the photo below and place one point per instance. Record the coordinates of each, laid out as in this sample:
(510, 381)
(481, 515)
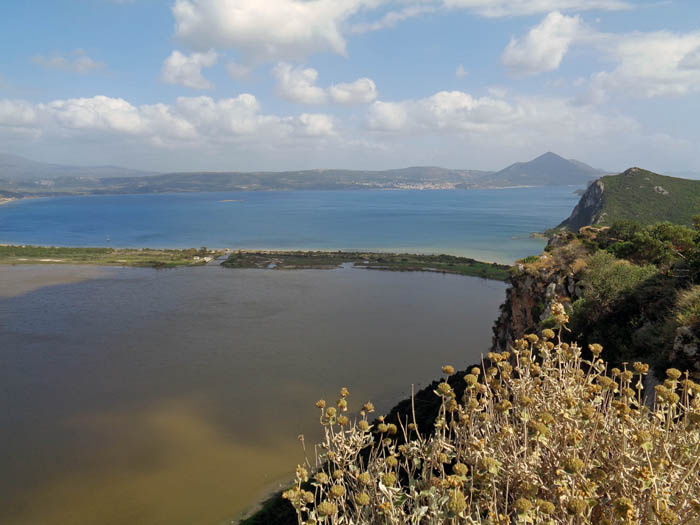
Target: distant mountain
(20, 175)
(14, 167)
(639, 195)
(546, 170)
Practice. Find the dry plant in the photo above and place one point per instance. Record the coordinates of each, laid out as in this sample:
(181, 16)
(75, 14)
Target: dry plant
(541, 435)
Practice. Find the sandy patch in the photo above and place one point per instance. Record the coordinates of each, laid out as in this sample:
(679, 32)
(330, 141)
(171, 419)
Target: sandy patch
(20, 279)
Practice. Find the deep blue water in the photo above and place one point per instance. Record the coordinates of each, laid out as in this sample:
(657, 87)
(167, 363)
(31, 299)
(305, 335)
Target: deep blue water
(490, 225)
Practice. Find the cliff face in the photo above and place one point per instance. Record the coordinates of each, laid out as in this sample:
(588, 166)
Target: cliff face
(588, 210)
(534, 287)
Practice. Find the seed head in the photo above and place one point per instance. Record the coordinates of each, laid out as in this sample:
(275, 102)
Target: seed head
(575, 506)
(522, 506)
(456, 502)
(337, 491)
(362, 499)
(389, 479)
(673, 373)
(326, 508)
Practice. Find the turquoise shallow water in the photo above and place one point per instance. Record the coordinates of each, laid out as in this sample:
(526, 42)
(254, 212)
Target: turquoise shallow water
(491, 225)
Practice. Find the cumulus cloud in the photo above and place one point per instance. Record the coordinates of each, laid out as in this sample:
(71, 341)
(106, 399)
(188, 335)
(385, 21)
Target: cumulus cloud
(652, 64)
(649, 65)
(317, 125)
(189, 122)
(501, 8)
(77, 62)
(274, 30)
(544, 46)
(269, 30)
(362, 91)
(519, 122)
(297, 84)
(186, 70)
(388, 116)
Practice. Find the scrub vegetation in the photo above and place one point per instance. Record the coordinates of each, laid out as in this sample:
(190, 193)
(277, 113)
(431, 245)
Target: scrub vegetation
(295, 260)
(543, 433)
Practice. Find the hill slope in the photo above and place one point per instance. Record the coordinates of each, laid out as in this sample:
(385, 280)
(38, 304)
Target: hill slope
(638, 195)
(14, 167)
(546, 170)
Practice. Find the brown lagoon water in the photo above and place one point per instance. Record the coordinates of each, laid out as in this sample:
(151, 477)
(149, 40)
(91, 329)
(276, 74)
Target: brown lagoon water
(176, 397)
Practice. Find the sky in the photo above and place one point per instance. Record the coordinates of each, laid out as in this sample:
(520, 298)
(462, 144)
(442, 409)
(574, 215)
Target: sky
(176, 85)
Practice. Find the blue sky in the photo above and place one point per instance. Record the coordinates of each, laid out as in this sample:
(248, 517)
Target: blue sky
(370, 84)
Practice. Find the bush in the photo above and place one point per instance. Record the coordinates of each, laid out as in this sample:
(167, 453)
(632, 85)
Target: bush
(540, 435)
(606, 281)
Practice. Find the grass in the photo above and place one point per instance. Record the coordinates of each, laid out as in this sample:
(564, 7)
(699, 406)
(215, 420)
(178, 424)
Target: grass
(104, 256)
(375, 261)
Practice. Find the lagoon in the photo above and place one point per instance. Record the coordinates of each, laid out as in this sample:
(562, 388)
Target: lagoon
(176, 396)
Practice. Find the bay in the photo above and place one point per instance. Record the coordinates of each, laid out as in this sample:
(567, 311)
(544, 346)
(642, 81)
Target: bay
(490, 225)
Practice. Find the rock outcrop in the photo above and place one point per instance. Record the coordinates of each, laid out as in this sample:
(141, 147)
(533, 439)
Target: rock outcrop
(535, 286)
(588, 210)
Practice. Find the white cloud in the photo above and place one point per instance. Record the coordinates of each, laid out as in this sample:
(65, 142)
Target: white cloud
(649, 65)
(544, 46)
(317, 125)
(494, 119)
(652, 64)
(274, 30)
(77, 62)
(266, 30)
(362, 91)
(190, 122)
(501, 8)
(387, 116)
(186, 70)
(17, 113)
(299, 85)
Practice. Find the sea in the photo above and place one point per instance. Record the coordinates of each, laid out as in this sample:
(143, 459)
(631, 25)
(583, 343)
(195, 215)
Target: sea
(489, 225)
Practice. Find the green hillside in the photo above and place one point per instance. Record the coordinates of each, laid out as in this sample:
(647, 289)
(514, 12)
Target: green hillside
(638, 195)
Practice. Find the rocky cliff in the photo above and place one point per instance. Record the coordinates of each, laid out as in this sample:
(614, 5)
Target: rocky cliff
(536, 283)
(589, 208)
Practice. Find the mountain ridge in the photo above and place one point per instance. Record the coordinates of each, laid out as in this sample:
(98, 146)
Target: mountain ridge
(547, 169)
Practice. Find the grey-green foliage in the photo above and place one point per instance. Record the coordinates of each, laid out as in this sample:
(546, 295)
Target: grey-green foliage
(607, 280)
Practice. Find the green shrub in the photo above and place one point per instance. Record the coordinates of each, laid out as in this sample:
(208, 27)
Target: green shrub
(607, 280)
